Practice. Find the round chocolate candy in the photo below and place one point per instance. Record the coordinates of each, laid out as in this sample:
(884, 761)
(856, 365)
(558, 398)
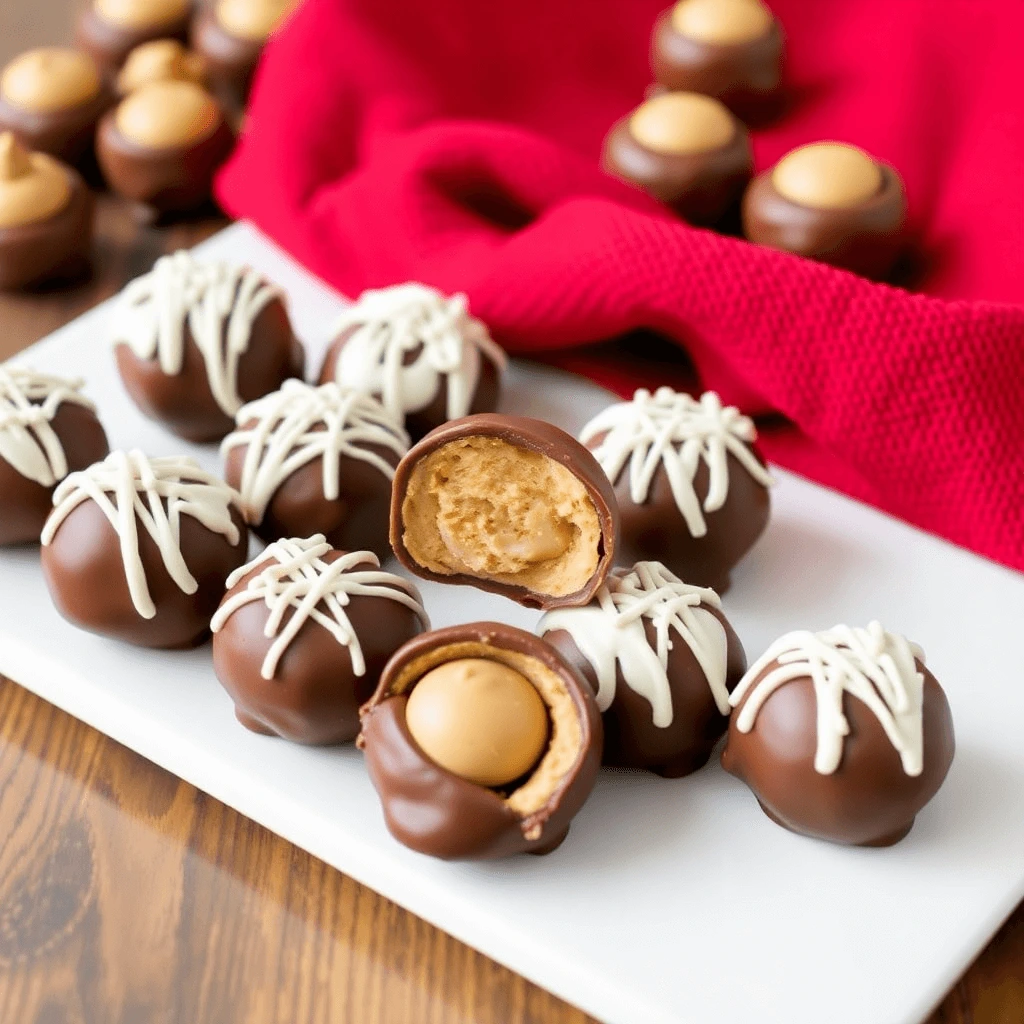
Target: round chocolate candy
(662, 659)
(686, 150)
(139, 549)
(303, 633)
(842, 735)
(480, 724)
(52, 99)
(507, 504)
(420, 353)
(46, 218)
(729, 49)
(111, 29)
(316, 460)
(830, 202)
(160, 60)
(195, 341)
(48, 429)
(692, 489)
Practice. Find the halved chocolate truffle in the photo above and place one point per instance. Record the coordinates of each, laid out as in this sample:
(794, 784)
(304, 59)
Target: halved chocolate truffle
(195, 341)
(729, 49)
(161, 60)
(842, 735)
(111, 29)
(662, 659)
(48, 429)
(478, 716)
(303, 633)
(507, 504)
(420, 353)
(686, 150)
(830, 202)
(316, 460)
(692, 489)
(139, 549)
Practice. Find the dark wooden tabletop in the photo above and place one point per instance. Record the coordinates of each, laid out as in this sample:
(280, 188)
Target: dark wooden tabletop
(129, 897)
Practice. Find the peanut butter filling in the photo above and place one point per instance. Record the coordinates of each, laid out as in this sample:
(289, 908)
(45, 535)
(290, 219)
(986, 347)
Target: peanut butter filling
(167, 114)
(254, 20)
(33, 186)
(158, 61)
(141, 13)
(49, 79)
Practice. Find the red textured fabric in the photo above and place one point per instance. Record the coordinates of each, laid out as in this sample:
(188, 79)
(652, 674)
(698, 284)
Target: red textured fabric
(456, 142)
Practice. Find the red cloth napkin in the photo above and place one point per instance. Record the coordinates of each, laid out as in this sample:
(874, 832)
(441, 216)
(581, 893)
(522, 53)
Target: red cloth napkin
(456, 142)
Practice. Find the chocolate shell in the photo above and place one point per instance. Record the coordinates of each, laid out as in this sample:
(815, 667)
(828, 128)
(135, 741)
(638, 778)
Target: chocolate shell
(231, 60)
(109, 43)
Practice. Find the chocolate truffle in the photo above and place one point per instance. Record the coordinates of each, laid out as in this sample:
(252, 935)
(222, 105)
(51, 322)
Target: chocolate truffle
(830, 202)
(692, 490)
(48, 429)
(195, 341)
(302, 636)
(316, 460)
(420, 353)
(52, 99)
(662, 659)
(46, 218)
(507, 504)
(160, 60)
(686, 150)
(111, 29)
(161, 146)
(729, 49)
(842, 735)
(481, 724)
(139, 549)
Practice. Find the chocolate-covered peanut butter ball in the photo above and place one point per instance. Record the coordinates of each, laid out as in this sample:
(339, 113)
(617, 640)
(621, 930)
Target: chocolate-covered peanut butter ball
(160, 60)
(692, 489)
(481, 742)
(842, 735)
(48, 429)
(303, 633)
(686, 150)
(662, 659)
(195, 341)
(111, 29)
(830, 202)
(729, 49)
(507, 504)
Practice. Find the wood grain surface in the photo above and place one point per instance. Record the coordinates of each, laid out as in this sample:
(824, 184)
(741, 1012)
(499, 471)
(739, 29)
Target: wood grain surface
(129, 897)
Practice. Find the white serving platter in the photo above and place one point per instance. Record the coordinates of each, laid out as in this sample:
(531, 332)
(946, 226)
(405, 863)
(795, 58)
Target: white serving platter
(671, 902)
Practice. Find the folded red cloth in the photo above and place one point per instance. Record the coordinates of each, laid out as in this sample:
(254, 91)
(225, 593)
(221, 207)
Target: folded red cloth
(456, 142)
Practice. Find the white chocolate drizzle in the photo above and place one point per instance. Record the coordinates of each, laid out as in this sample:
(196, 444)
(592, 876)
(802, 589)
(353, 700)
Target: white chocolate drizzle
(131, 489)
(217, 302)
(610, 634)
(295, 577)
(876, 667)
(673, 430)
(28, 403)
(300, 423)
(390, 324)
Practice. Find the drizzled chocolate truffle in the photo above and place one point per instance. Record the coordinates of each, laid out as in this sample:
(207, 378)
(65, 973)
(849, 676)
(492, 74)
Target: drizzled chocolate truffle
(830, 202)
(507, 504)
(48, 429)
(160, 60)
(139, 549)
(514, 741)
(316, 460)
(195, 341)
(842, 735)
(691, 487)
(662, 659)
(111, 29)
(303, 634)
(686, 150)
(420, 353)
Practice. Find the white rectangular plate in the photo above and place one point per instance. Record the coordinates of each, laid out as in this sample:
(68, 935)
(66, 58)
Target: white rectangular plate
(671, 902)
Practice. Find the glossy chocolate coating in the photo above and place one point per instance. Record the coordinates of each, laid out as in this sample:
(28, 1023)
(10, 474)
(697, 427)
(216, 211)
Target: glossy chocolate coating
(533, 435)
(57, 248)
(85, 573)
(109, 44)
(24, 503)
(866, 239)
(231, 60)
(631, 739)
(869, 800)
(66, 134)
(432, 811)
(699, 187)
(185, 404)
(314, 696)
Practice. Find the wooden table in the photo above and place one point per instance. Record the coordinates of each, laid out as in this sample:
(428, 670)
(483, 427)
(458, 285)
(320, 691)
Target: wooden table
(129, 897)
